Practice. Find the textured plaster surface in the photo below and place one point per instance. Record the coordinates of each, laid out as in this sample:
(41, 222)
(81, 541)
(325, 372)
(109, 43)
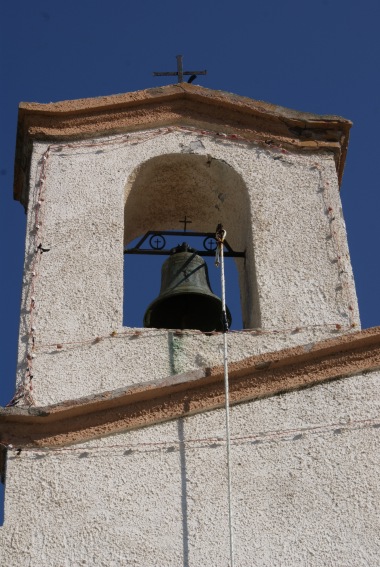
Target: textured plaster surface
(282, 208)
(180, 395)
(304, 475)
(304, 482)
(180, 104)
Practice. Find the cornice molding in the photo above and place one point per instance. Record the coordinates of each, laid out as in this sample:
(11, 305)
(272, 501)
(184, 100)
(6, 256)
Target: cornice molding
(184, 105)
(186, 394)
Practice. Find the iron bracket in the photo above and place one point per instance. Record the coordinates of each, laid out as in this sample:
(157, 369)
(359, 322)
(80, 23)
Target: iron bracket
(157, 246)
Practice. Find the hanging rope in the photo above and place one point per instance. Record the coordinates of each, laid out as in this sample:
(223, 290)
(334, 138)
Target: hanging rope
(219, 260)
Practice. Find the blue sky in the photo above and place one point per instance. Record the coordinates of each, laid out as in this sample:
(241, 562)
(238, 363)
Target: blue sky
(319, 57)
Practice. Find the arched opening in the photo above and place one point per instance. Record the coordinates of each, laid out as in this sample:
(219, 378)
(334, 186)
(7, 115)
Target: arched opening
(159, 194)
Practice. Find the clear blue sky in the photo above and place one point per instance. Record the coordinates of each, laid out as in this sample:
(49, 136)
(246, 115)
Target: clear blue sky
(320, 57)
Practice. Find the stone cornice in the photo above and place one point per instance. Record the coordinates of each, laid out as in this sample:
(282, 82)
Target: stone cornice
(177, 396)
(182, 104)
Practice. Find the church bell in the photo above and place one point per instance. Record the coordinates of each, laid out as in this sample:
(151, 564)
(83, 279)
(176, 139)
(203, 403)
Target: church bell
(186, 300)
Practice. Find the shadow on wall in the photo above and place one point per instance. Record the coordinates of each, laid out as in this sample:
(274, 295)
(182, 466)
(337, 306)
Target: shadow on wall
(182, 458)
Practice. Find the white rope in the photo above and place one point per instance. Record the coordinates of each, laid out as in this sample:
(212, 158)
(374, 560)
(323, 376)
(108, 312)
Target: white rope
(219, 259)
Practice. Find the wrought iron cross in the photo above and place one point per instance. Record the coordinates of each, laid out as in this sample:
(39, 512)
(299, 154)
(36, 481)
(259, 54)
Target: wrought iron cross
(180, 72)
(185, 222)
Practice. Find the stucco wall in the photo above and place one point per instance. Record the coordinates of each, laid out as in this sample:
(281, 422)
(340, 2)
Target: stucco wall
(304, 481)
(296, 281)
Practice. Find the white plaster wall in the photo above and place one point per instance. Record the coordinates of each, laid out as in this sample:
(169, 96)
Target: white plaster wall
(78, 287)
(304, 480)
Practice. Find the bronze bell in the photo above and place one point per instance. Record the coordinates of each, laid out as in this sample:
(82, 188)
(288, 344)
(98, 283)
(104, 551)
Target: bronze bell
(186, 300)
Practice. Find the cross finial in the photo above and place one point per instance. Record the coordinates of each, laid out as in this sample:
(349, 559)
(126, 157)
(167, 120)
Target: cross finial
(185, 222)
(180, 72)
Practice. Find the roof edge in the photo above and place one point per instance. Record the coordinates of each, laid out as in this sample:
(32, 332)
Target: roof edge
(179, 90)
(149, 403)
(174, 104)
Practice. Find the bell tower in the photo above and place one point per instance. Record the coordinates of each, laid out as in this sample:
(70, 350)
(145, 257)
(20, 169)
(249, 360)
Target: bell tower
(95, 179)
(120, 430)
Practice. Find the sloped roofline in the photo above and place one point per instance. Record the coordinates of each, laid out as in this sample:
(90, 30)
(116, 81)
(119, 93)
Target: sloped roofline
(149, 403)
(178, 104)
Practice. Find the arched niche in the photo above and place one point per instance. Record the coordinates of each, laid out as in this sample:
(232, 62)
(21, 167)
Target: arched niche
(208, 191)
